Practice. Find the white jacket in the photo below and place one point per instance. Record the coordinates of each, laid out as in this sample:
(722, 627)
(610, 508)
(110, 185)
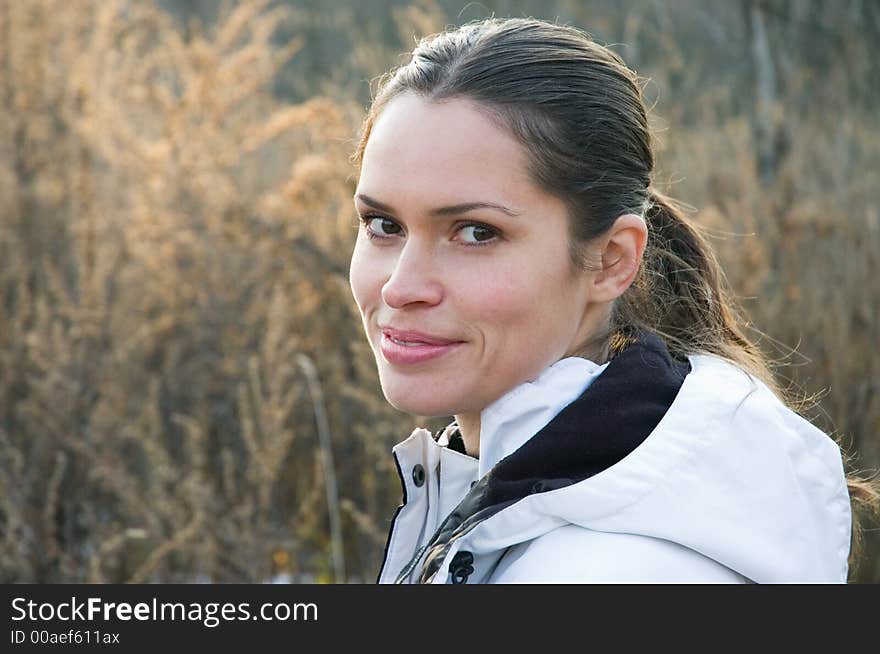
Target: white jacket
(729, 486)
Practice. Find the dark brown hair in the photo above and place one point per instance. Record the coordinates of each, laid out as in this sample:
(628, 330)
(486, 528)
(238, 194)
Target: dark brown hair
(579, 112)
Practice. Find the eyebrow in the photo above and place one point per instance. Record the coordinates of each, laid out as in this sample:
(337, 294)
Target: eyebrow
(451, 210)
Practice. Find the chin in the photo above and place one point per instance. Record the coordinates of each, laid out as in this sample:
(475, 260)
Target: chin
(428, 405)
(427, 408)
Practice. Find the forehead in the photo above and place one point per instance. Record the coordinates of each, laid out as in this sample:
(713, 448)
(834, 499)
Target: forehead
(448, 149)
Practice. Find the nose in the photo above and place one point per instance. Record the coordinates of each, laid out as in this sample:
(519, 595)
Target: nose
(414, 278)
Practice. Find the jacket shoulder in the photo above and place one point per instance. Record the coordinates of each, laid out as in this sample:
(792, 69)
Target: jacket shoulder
(756, 410)
(574, 554)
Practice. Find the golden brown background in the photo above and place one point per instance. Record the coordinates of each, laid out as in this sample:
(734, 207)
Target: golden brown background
(177, 337)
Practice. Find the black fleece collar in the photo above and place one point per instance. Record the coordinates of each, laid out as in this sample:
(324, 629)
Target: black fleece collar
(609, 420)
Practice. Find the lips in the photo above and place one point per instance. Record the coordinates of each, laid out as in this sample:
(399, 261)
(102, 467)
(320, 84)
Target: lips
(415, 338)
(407, 347)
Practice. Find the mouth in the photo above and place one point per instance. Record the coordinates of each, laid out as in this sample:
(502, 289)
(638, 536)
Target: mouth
(412, 338)
(406, 343)
(404, 348)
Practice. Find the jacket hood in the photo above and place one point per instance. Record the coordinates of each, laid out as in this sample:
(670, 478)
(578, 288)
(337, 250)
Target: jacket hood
(696, 452)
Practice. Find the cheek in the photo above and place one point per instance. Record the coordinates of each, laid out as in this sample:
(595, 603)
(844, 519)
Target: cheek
(524, 308)
(364, 277)
(502, 301)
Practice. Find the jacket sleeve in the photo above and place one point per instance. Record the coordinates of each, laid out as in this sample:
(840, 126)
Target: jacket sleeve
(573, 554)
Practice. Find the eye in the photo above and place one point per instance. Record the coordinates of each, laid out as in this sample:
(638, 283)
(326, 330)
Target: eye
(475, 233)
(380, 226)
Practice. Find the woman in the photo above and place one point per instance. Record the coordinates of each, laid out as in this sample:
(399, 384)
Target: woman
(516, 269)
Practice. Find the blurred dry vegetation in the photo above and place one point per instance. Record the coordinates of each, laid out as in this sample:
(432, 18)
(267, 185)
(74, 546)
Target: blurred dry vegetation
(174, 240)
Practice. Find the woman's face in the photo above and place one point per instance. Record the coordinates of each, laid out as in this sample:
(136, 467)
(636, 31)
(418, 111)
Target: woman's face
(461, 269)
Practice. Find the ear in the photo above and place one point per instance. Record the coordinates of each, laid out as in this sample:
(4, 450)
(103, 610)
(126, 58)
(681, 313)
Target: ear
(622, 248)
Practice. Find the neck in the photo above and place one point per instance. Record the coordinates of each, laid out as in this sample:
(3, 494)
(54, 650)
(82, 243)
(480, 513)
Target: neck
(469, 426)
(597, 346)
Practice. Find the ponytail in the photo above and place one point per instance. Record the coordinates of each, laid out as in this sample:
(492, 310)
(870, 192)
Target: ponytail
(680, 293)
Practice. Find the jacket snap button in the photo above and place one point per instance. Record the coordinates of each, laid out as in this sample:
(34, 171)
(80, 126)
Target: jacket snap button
(460, 567)
(418, 474)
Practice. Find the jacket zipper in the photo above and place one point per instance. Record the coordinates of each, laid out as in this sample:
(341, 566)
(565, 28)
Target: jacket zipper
(393, 518)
